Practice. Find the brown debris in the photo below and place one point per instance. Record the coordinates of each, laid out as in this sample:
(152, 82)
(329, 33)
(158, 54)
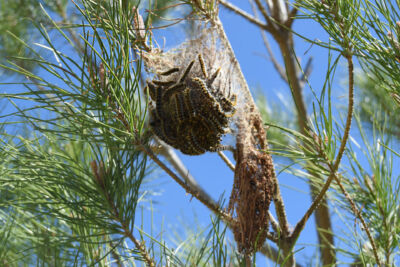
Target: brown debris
(253, 187)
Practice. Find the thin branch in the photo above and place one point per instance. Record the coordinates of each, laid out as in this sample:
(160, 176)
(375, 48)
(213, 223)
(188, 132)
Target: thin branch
(226, 160)
(285, 43)
(265, 15)
(274, 223)
(171, 156)
(275, 62)
(280, 210)
(300, 225)
(211, 205)
(278, 67)
(244, 14)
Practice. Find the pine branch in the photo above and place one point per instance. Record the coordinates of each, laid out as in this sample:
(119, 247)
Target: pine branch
(317, 201)
(178, 165)
(202, 198)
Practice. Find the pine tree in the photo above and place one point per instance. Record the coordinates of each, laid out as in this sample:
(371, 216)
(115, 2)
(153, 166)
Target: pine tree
(95, 108)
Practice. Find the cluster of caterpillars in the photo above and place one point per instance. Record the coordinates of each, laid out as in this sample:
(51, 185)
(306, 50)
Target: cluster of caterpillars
(190, 113)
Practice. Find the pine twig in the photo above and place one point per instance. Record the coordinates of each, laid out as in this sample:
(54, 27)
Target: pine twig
(275, 62)
(278, 67)
(355, 209)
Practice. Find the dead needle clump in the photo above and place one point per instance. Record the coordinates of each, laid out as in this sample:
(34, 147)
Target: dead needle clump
(252, 192)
